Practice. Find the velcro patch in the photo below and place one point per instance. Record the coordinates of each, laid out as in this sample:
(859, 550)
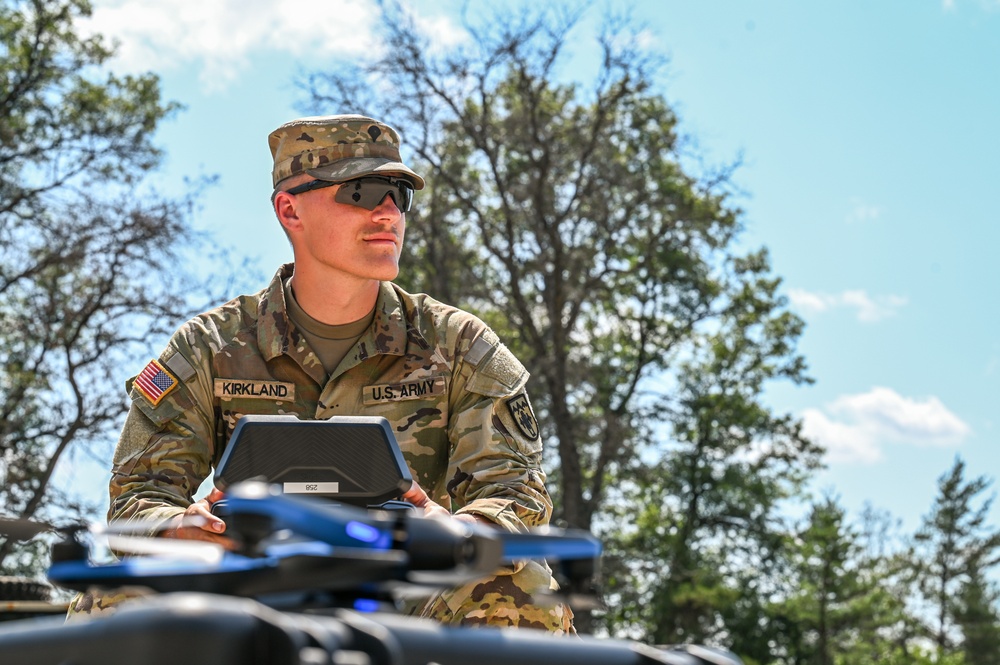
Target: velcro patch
(179, 365)
(524, 417)
(478, 351)
(395, 392)
(498, 375)
(274, 390)
(154, 382)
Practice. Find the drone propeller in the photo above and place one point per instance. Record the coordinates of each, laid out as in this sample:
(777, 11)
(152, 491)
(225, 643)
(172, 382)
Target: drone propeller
(140, 530)
(187, 550)
(22, 529)
(144, 528)
(25, 529)
(309, 565)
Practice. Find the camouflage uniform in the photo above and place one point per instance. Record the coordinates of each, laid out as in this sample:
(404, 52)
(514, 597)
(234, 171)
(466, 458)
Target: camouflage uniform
(453, 394)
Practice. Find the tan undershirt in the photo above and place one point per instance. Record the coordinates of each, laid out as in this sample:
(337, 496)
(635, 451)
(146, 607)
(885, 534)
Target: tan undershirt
(329, 343)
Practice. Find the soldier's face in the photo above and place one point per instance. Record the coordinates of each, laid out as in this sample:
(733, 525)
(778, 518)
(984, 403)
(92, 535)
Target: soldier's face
(348, 239)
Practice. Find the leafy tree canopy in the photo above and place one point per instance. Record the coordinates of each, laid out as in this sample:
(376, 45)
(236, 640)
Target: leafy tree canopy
(87, 258)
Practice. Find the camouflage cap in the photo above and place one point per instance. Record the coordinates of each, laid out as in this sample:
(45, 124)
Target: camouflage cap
(337, 148)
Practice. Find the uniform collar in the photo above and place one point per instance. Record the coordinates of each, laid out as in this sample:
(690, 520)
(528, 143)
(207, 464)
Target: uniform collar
(276, 335)
(386, 336)
(273, 324)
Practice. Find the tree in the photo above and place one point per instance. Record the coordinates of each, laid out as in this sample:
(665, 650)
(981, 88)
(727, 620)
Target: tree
(955, 546)
(882, 629)
(839, 605)
(87, 257)
(564, 215)
(977, 617)
(710, 536)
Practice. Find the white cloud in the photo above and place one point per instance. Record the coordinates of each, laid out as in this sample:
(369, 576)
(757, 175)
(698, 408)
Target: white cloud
(863, 212)
(220, 36)
(814, 302)
(443, 32)
(988, 5)
(854, 428)
(843, 442)
(869, 308)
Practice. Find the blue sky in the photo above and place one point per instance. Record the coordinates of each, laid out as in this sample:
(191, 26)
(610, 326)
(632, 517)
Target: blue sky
(870, 148)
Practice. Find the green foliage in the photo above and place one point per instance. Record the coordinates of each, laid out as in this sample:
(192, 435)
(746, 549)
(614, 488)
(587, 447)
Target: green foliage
(978, 618)
(821, 605)
(63, 122)
(839, 605)
(86, 258)
(709, 536)
(954, 547)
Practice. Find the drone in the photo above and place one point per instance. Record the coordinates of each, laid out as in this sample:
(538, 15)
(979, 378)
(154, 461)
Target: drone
(290, 545)
(314, 580)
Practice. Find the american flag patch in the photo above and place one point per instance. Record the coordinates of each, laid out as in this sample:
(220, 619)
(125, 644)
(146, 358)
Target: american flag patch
(154, 382)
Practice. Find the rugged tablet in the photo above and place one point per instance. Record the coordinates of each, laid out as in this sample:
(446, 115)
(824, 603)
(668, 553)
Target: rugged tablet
(350, 459)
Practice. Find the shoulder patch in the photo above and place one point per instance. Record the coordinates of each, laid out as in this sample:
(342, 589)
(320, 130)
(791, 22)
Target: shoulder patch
(524, 417)
(154, 382)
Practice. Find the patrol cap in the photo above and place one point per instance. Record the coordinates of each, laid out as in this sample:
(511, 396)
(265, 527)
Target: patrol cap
(337, 148)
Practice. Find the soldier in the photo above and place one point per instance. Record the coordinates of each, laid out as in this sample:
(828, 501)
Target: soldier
(332, 335)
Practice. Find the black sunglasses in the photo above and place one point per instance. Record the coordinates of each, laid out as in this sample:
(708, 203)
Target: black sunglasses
(365, 193)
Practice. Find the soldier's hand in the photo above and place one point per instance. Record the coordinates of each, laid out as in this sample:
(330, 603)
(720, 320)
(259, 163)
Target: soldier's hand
(198, 523)
(418, 497)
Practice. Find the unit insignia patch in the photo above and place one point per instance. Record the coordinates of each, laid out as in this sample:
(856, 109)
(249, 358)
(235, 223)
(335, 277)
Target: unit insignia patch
(520, 410)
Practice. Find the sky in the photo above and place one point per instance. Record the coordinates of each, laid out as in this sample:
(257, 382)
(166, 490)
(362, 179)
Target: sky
(869, 148)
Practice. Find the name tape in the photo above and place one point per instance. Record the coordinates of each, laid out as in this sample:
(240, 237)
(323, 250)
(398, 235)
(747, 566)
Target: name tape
(275, 390)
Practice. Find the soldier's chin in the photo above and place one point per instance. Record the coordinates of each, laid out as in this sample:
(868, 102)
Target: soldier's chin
(385, 273)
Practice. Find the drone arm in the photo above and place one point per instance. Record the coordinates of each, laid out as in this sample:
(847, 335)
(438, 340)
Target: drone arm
(447, 545)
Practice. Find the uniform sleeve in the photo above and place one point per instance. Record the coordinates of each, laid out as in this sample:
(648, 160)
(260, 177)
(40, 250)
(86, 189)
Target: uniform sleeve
(494, 466)
(165, 449)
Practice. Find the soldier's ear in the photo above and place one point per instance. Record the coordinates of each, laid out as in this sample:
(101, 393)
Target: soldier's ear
(287, 211)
